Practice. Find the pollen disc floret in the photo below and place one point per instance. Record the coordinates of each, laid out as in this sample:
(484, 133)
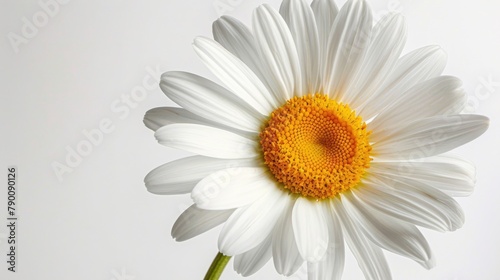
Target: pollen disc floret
(315, 146)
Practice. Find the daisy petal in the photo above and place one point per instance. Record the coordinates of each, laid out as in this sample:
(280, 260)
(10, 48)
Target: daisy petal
(251, 261)
(332, 265)
(278, 52)
(430, 136)
(325, 12)
(300, 19)
(416, 203)
(411, 69)
(232, 188)
(443, 95)
(388, 233)
(310, 229)
(313, 271)
(207, 141)
(388, 39)
(158, 117)
(370, 258)
(180, 176)
(347, 43)
(238, 39)
(235, 74)
(162, 116)
(195, 221)
(286, 256)
(456, 176)
(250, 225)
(210, 101)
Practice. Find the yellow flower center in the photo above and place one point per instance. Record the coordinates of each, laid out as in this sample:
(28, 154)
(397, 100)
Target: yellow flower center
(315, 146)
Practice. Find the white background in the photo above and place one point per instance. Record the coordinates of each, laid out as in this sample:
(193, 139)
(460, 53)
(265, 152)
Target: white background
(76, 70)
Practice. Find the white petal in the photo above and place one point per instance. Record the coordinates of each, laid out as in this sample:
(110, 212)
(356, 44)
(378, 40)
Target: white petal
(413, 68)
(162, 116)
(370, 258)
(250, 225)
(443, 95)
(430, 136)
(195, 221)
(300, 19)
(388, 39)
(449, 174)
(313, 270)
(325, 12)
(235, 74)
(332, 265)
(416, 203)
(207, 141)
(180, 176)
(278, 52)
(346, 46)
(238, 39)
(393, 235)
(158, 117)
(210, 101)
(310, 229)
(286, 256)
(251, 261)
(232, 188)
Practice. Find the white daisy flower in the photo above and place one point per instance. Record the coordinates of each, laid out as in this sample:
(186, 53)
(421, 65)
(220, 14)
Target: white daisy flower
(322, 133)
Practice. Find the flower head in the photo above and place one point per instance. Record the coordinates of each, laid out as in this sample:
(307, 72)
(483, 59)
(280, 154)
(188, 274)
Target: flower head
(322, 134)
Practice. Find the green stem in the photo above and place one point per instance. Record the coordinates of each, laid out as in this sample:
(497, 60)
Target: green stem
(217, 267)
